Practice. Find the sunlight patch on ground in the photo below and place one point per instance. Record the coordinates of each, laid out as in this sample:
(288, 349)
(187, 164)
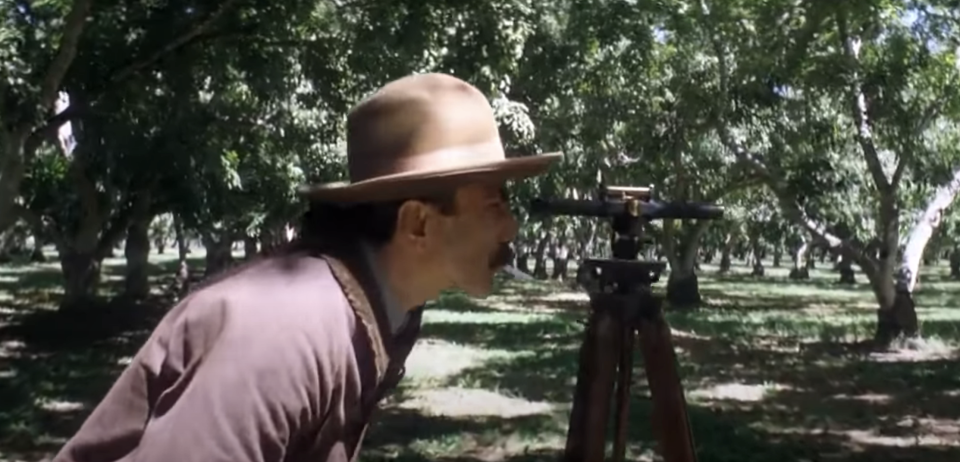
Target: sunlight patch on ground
(910, 432)
(736, 392)
(906, 433)
(914, 355)
(823, 308)
(557, 302)
(433, 359)
(763, 288)
(30, 269)
(55, 405)
(11, 348)
(460, 402)
(566, 296)
(872, 398)
(919, 350)
(493, 446)
(440, 315)
(510, 446)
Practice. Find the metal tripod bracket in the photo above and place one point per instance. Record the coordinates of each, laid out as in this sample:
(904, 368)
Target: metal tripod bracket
(612, 275)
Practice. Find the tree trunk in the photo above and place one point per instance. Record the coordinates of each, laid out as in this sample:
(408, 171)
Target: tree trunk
(589, 242)
(249, 247)
(182, 278)
(683, 286)
(219, 246)
(12, 169)
(845, 267)
(900, 317)
(725, 260)
(523, 256)
(137, 253)
(7, 241)
(36, 255)
(800, 261)
(955, 262)
(561, 260)
(267, 241)
(81, 279)
(540, 258)
(756, 251)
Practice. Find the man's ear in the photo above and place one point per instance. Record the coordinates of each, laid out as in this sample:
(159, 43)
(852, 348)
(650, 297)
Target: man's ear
(412, 220)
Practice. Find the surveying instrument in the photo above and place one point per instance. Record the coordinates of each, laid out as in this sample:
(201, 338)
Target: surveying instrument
(622, 309)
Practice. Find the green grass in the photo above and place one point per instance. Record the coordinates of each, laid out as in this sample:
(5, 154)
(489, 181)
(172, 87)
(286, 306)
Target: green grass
(771, 368)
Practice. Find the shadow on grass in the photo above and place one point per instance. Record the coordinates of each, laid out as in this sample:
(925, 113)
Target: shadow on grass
(822, 280)
(791, 398)
(814, 400)
(721, 435)
(396, 428)
(55, 366)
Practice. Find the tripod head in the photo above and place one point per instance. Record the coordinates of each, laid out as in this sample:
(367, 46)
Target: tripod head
(627, 208)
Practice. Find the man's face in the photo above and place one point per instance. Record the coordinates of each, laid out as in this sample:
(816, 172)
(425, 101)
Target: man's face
(471, 245)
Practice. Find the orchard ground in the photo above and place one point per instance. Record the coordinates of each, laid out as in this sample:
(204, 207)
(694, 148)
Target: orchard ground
(771, 368)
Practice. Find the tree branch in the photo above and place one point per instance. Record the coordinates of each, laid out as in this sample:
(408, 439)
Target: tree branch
(746, 158)
(49, 128)
(902, 162)
(905, 156)
(922, 231)
(66, 52)
(75, 111)
(858, 102)
(92, 218)
(117, 226)
(736, 182)
(173, 45)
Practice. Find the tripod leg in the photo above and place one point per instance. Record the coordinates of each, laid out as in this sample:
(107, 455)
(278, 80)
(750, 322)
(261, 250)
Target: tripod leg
(587, 435)
(624, 379)
(670, 421)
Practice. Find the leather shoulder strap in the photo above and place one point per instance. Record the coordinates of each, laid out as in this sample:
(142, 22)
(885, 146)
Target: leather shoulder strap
(360, 303)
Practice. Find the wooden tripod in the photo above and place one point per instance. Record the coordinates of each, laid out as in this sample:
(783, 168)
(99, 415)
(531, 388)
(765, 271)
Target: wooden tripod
(617, 319)
(623, 309)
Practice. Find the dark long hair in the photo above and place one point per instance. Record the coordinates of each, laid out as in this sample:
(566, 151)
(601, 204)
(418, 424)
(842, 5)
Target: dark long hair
(371, 223)
(328, 227)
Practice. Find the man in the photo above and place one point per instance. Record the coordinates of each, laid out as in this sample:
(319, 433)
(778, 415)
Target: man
(286, 358)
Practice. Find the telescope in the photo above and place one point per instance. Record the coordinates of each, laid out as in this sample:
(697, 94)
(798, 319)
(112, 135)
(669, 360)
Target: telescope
(623, 310)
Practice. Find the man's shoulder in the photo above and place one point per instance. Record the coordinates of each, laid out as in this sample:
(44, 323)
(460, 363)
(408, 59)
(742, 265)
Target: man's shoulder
(284, 295)
(294, 277)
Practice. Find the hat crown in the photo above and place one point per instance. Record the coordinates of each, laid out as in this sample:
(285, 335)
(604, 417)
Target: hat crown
(421, 123)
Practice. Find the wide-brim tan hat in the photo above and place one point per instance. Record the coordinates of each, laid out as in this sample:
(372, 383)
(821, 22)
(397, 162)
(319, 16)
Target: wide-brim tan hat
(423, 134)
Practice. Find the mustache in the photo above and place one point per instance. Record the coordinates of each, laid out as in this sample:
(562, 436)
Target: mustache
(502, 257)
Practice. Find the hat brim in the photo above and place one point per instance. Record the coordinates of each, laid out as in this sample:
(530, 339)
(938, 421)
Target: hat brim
(417, 184)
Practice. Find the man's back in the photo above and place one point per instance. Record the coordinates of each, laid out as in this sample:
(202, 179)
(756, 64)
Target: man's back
(259, 366)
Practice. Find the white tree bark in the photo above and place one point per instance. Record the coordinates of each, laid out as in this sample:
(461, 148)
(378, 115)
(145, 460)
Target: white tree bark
(800, 254)
(922, 231)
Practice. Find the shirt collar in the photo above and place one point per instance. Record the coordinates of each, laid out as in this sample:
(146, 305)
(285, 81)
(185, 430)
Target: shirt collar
(396, 314)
